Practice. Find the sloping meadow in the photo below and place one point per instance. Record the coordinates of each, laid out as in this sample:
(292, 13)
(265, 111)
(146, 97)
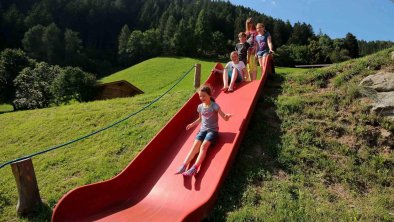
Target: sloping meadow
(314, 151)
(101, 156)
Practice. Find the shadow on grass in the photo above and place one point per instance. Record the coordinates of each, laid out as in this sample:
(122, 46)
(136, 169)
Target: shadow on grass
(41, 213)
(257, 158)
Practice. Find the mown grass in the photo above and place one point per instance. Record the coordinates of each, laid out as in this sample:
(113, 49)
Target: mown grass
(313, 151)
(6, 108)
(101, 156)
(155, 75)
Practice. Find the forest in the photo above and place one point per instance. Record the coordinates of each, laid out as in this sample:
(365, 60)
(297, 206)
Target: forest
(103, 36)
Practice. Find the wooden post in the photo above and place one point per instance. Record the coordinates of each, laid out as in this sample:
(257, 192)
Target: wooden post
(197, 76)
(29, 196)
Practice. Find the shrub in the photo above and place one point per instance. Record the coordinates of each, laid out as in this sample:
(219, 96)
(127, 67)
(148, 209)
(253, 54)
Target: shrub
(33, 86)
(12, 61)
(73, 83)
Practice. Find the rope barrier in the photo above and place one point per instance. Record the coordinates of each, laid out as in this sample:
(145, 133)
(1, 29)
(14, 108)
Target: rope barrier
(99, 130)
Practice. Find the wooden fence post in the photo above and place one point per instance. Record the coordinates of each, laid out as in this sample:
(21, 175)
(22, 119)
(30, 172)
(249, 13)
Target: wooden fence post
(197, 76)
(26, 182)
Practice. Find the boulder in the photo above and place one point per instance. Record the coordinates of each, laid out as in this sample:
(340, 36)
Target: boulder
(381, 81)
(380, 88)
(385, 104)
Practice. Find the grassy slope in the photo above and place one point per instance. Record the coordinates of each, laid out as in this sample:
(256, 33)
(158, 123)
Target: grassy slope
(286, 169)
(155, 75)
(313, 152)
(5, 108)
(103, 155)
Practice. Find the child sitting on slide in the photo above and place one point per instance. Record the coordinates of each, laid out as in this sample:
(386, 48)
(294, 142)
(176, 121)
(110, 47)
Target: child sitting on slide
(234, 71)
(208, 117)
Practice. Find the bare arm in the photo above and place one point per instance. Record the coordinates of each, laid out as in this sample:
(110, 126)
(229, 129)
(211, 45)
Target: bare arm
(225, 116)
(195, 123)
(217, 70)
(270, 44)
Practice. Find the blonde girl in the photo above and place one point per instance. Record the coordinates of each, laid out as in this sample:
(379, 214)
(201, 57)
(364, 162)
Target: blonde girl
(251, 34)
(264, 46)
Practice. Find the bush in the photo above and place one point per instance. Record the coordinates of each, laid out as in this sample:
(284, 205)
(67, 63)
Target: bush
(73, 83)
(33, 86)
(12, 61)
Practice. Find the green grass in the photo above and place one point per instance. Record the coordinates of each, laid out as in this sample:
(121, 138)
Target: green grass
(6, 108)
(313, 151)
(155, 75)
(101, 156)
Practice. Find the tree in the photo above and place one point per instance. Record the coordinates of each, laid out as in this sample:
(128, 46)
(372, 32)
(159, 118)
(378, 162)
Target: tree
(169, 33)
(299, 54)
(134, 46)
(39, 14)
(123, 39)
(53, 41)
(122, 45)
(339, 53)
(12, 27)
(301, 34)
(33, 44)
(351, 45)
(179, 40)
(12, 61)
(33, 86)
(282, 56)
(202, 30)
(218, 43)
(72, 83)
(151, 43)
(315, 53)
(72, 48)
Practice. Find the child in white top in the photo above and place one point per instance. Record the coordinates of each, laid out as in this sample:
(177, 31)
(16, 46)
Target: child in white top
(235, 71)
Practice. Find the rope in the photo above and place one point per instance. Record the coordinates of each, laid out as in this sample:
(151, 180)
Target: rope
(99, 130)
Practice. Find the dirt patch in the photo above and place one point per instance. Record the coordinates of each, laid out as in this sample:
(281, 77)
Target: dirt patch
(341, 192)
(348, 140)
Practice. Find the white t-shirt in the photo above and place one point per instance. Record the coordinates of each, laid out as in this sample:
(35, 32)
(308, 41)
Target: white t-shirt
(231, 65)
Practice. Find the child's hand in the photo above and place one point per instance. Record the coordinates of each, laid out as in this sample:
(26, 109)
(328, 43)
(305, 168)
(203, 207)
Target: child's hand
(189, 126)
(227, 116)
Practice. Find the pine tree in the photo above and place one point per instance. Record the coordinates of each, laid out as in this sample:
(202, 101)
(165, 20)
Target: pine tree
(123, 39)
(351, 45)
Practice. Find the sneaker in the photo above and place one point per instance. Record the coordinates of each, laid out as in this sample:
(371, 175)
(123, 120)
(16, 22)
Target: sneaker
(192, 171)
(181, 169)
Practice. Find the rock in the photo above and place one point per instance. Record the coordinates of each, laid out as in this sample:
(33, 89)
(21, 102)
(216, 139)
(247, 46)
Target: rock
(385, 104)
(392, 55)
(381, 81)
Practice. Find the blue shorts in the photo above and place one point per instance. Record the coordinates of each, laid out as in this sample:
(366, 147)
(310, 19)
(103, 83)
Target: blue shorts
(230, 74)
(262, 53)
(208, 135)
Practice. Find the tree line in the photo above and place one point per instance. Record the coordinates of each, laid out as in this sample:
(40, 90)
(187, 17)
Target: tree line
(101, 36)
(28, 84)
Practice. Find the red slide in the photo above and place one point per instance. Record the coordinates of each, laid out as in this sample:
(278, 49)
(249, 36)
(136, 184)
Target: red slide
(147, 189)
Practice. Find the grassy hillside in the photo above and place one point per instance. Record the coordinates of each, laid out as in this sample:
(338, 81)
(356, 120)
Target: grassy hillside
(5, 108)
(155, 75)
(314, 152)
(306, 155)
(101, 156)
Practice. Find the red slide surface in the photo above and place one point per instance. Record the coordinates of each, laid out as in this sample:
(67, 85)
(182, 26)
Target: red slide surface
(147, 189)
